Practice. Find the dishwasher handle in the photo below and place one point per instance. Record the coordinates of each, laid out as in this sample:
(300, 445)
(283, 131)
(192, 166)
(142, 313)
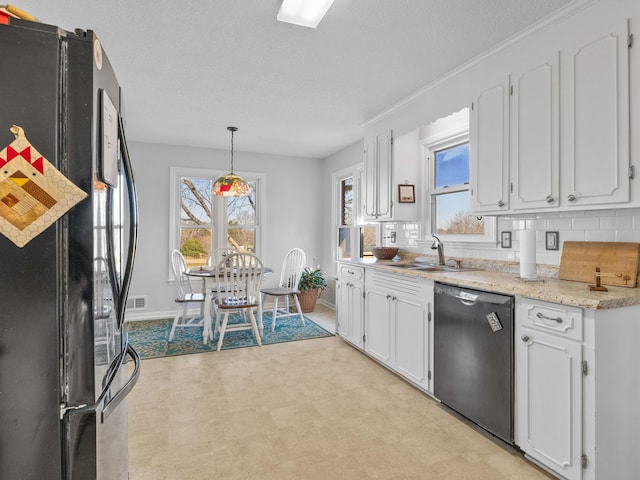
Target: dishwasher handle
(467, 298)
(470, 297)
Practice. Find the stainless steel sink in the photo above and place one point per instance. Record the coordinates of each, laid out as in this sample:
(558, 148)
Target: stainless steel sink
(401, 265)
(440, 268)
(429, 267)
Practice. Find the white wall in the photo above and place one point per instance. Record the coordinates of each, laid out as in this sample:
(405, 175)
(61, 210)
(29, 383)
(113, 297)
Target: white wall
(295, 207)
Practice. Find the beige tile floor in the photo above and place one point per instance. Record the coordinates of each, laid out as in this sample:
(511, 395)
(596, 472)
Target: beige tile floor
(313, 409)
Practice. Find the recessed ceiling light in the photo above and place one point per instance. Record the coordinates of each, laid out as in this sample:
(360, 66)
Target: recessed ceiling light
(306, 13)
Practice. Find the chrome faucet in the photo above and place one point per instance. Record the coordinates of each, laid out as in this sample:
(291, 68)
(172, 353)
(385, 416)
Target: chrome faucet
(438, 245)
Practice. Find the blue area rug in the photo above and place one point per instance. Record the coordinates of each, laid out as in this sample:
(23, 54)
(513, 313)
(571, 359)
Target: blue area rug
(150, 338)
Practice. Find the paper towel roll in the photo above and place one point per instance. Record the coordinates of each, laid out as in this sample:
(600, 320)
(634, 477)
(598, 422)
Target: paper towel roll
(528, 254)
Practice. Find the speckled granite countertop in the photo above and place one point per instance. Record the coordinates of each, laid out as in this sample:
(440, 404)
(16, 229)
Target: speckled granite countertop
(547, 288)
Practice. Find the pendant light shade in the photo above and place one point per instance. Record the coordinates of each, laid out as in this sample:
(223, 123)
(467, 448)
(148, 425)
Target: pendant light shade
(231, 185)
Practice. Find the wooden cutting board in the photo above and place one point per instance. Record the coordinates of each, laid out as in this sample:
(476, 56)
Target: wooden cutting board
(618, 262)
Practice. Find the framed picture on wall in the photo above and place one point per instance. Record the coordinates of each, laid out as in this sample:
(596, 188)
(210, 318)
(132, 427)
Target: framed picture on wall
(406, 193)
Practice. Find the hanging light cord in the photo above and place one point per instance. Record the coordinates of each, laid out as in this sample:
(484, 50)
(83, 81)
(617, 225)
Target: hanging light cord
(232, 130)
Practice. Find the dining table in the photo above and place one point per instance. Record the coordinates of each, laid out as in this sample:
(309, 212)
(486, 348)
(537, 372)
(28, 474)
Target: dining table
(208, 274)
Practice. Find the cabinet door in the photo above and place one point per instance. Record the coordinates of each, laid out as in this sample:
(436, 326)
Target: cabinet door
(535, 132)
(412, 340)
(350, 312)
(378, 326)
(343, 308)
(596, 116)
(549, 400)
(489, 149)
(356, 314)
(385, 161)
(378, 153)
(370, 179)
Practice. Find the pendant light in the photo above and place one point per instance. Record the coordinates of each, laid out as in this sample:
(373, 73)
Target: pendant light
(231, 185)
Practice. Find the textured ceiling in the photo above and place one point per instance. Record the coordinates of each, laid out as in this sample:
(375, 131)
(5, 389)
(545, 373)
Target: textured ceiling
(189, 69)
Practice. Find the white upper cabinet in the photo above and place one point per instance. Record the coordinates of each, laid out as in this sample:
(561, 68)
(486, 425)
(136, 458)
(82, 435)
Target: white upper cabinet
(535, 132)
(489, 150)
(389, 162)
(377, 174)
(581, 161)
(596, 120)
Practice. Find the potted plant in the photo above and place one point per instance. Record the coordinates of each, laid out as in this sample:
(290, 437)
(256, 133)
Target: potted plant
(311, 285)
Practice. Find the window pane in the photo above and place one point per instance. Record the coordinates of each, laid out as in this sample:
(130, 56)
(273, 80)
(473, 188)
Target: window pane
(195, 201)
(452, 166)
(242, 210)
(367, 240)
(346, 198)
(452, 214)
(242, 239)
(195, 245)
(344, 243)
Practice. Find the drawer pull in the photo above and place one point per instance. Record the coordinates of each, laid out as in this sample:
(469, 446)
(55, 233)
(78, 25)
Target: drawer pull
(556, 319)
(525, 338)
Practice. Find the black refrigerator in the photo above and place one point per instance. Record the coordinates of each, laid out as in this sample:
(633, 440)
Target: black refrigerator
(65, 363)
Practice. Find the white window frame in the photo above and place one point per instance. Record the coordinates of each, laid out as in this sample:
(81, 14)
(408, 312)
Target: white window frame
(357, 173)
(219, 214)
(430, 146)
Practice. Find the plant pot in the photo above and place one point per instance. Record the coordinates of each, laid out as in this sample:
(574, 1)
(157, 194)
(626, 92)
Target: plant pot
(308, 299)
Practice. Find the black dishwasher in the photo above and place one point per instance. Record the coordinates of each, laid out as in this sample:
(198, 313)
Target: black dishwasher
(473, 356)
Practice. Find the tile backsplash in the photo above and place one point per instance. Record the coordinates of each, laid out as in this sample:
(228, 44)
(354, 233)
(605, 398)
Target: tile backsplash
(621, 225)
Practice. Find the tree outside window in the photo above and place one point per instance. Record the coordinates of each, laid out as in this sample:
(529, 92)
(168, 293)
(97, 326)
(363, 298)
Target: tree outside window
(450, 197)
(207, 221)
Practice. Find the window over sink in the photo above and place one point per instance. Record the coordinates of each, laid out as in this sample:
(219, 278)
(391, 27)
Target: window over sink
(445, 144)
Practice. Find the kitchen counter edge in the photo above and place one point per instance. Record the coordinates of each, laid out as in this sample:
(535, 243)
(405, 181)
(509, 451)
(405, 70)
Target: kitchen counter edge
(546, 289)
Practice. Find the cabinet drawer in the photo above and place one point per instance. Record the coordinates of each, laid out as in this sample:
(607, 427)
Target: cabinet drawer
(561, 319)
(398, 284)
(350, 272)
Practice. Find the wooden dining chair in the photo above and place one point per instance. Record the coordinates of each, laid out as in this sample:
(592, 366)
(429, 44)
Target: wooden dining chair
(238, 278)
(185, 296)
(292, 267)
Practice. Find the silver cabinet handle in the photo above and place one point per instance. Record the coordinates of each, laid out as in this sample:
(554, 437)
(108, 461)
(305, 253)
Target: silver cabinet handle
(571, 197)
(549, 199)
(556, 319)
(501, 204)
(525, 338)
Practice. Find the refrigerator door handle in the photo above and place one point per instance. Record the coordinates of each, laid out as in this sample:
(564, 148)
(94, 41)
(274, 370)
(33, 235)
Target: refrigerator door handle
(110, 402)
(133, 226)
(106, 402)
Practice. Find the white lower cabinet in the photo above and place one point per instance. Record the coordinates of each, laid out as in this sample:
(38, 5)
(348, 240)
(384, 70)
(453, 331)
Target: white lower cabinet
(549, 392)
(350, 303)
(398, 327)
(379, 308)
(577, 389)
